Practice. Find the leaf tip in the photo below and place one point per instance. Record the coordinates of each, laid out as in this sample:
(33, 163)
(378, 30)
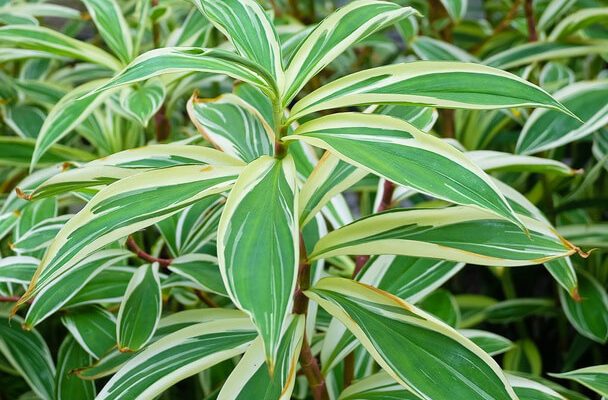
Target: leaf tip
(22, 195)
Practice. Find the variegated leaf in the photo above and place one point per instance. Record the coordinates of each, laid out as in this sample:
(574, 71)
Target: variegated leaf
(202, 269)
(595, 378)
(110, 22)
(490, 160)
(143, 102)
(18, 269)
(259, 228)
(68, 386)
(93, 327)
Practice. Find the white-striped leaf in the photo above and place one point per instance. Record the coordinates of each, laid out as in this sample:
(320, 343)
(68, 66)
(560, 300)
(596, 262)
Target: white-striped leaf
(554, 10)
(577, 21)
(401, 153)
(18, 269)
(140, 309)
(169, 60)
(107, 170)
(40, 235)
(259, 228)
(430, 83)
(233, 126)
(555, 75)
(429, 49)
(455, 8)
(587, 235)
(250, 379)
(423, 118)
(143, 102)
(527, 389)
(28, 354)
(107, 287)
(489, 342)
(334, 35)
(110, 22)
(94, 328)
(249, 28)
(595, 378)
(490, 160)
(124, 207)
(19, 152)
(39, 38)
(547, 129)
(202, 269)
(59, 292)
(462, 234)
(588, 314)
(178, 356)
(68, 386)
(423, 354)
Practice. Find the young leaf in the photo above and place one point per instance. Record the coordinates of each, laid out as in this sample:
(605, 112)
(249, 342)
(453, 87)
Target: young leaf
(69, 386)
(429, 83)
(143, 102)
(595, 378)
(248, 27)
(343, 28)
(461, 234)
(125, 207)
(259, 228)
(178, 356)
(423, 354)
(110, 22)
(401, 153)
(29, 355)
(140, 310)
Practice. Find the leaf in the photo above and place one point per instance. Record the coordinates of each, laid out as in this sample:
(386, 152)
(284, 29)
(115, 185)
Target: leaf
(429, 49)
(343, 28)
(250, 379)
(428, 83)
(247, 136)
(490, 160)
(248, 27)
(589, 315)
(546, 130)
(18, 269)
(109, 169)
(577, 21)
(109, 286)
(512, 310)
(587, 235)
(389, 147)
(377, 386)
(178, 356)
(25, 120)
(530, 53)
(442, 305)
(168, 60)
(18, 152)
(455, 8)
(140, 309)
(28, 354)
(489, 342)
(259, 228)
(39, 38)
(423, 354)
(40, 235)
(94, 328)
(461, 234)
(125, 207)
(330, 177)
(422, 118)
(562, 270)
(527, 389)
(112, 27)
(143, 102)
(595, 378)
(66, 115)
(67, 385)
(202, 269)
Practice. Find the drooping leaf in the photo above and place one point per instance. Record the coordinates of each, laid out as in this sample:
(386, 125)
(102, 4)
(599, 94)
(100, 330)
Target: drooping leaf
(40, 235)
(595, 378)
(107, 287)
(19, 152)
(490, 160)
(93, 327)
(140, 309)
(259, 228)
(69, 386)
(430, 49)
(420, 352)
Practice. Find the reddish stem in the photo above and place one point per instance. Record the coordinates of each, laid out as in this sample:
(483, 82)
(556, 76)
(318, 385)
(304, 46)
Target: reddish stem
(131, 245)
(529, 10)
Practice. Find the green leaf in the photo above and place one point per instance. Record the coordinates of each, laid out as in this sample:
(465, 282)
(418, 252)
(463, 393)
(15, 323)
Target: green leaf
(250, 379)
(124, 207)
(202, 269)
(377, 386)
(39, 38)
(587, 235)
(429, 49)
(562, 270)
(527, 389)
(109, 286)
(429, 83)
(455, 8)
(67, 385)
(40, 235)
(170, 60)
(28, 354)
(462, 234)
(588, 315)
(490, 160)
(249, 28)
(577, 21)
(259, 227)
(143, 102)
(423, 354)
(112, 27)
(18, 152)
(25, 120)
(530, 53)
(336, 33)
(140, 309)
(178, 356)
(18, 269)
(94, 328)
(401, 153)
(247, 137)
(442, 305)
(489, 342)
(546, 129)
(595, 378)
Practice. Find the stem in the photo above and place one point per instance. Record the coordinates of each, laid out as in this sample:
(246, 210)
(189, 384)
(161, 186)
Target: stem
(163, 129)
(9, 299)
(206, 299)
(132, 245)
(300, 301)
(502, 25)
(529, 10)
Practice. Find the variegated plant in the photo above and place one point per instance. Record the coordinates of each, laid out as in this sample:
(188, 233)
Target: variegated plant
(260, 275)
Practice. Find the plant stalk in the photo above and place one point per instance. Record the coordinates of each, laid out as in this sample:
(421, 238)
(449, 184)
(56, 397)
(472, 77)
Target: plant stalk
(139, 252)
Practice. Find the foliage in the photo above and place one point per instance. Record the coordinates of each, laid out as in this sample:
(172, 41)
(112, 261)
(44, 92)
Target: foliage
(269, 200)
